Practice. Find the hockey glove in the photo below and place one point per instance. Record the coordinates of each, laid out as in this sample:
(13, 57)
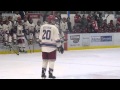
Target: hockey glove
(61, 49)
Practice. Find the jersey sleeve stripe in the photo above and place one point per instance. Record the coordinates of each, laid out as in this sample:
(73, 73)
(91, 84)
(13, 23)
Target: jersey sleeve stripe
(49, 45)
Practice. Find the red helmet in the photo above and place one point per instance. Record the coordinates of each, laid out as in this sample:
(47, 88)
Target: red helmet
(19, 18)
(51, 18)
(20, 22)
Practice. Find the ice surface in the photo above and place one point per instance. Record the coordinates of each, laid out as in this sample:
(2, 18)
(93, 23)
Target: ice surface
(83, 64)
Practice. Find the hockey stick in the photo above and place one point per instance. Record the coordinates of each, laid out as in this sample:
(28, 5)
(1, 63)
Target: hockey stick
(14, 50)
(10, 46)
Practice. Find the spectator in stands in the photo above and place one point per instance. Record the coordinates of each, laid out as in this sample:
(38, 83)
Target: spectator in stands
(111, 24)
(100, 29)
(73, 30)
(78, 29)
(89, 27)
(104, 24)
(95, 16)
(100, 21)
(94, 26)
(118, 28)
(100, 14)
(69, 25)
(84, 22)
(118, 22)
(89, 18)
(77, 19)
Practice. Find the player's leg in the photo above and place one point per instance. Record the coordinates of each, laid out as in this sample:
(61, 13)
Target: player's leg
(5, 39)
(9, 40)
(37, 36)
(52, 59)
(14, 38)
(44, 64)
(19, 41)
(31, 38)
(23, 44)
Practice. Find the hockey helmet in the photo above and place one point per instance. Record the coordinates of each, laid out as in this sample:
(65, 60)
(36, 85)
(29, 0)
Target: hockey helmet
(19, 18)
(51, 18)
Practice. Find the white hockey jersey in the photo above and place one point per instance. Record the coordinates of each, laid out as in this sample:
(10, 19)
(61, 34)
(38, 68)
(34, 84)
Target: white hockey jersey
(6, 28)
(15, 23)
(1, 28)
(31, 27)
(63, 26)
(49, 37)
(20, 31)
(10, 25)
(15, 17)
(37, 28)
(57, 25)
(26, 24)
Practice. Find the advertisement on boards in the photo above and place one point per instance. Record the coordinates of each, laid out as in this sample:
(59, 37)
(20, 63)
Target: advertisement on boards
(102, 39)
(74, 40)
(106, 38)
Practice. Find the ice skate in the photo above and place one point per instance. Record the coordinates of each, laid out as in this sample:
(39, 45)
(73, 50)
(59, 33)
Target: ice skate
(43, 76)
(51, 74)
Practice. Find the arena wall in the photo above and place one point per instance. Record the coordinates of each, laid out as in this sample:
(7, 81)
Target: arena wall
(77, 41)
(93, 41)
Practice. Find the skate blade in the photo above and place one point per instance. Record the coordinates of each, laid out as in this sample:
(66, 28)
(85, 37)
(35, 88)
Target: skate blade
(43, 77)
(51, 78)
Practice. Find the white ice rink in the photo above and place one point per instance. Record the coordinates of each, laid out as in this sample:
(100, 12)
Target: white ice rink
(83, 64)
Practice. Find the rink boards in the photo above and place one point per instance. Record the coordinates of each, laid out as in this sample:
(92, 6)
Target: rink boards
(93, 41)
(78, 41)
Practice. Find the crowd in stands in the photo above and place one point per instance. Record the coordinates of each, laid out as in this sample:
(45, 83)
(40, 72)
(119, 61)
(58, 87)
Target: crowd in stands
(93, 23)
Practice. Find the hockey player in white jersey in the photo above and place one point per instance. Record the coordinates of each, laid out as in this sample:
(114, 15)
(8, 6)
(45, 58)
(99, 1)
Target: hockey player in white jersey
(1, 27)
(63, 25)
(1, 31)
(31, 29)
(50, 42)
(20, 37)
(37, 30)
(26, 25)
(13, 30)
(15, 17)
(57, 24)
(6, 31)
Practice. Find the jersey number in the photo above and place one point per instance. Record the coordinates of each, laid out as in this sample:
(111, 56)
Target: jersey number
(46, 34)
